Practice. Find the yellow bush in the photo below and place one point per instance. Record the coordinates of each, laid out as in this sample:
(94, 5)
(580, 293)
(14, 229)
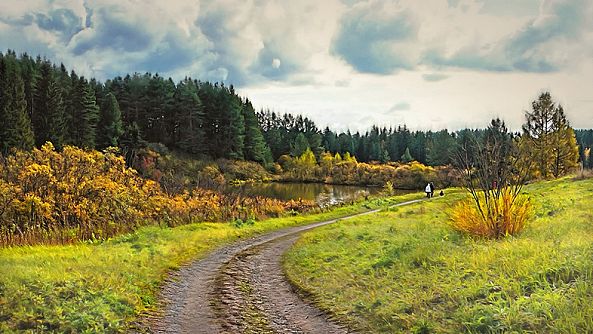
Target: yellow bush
(346, 170)
(496, 218)
(59, 197)
(55, 197)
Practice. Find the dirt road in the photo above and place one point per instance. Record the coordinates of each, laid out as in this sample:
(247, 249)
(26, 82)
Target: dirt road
(241, 288)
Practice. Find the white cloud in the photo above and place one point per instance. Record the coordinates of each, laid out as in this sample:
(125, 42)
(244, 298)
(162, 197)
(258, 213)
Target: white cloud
(305, 56)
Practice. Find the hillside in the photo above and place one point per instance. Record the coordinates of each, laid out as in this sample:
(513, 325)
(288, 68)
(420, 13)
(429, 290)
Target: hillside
(406, 269)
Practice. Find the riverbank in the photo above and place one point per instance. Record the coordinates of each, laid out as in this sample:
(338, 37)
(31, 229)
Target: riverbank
(105, 286)
(406, 270)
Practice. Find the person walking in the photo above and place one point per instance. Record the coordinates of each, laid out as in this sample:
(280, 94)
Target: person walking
(431, 189)
(428, 190)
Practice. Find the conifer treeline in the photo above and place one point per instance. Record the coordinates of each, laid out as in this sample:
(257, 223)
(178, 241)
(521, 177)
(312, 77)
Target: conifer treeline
(41, 102)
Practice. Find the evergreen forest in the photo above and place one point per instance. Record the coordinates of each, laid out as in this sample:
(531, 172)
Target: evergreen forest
(41, 101)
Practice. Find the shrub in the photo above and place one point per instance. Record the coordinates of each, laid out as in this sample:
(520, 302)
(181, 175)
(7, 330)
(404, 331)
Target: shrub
(53, 197)
(388, 188)
(347, 170)
(499, 217)
(56, 197)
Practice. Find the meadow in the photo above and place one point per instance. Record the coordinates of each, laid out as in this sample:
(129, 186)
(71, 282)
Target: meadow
(407, 270)
(105, 286)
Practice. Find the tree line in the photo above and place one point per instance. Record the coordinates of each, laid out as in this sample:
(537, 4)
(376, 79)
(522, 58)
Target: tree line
(288, 134)
(40, 101)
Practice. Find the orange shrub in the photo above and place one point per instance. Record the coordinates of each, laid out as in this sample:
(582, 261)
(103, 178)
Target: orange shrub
(493, 219)
(47, 196)
(59, 197)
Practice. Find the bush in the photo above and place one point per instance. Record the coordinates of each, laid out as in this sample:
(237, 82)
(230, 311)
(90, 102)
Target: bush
(338, 170)
(55, 197)
(497, 218)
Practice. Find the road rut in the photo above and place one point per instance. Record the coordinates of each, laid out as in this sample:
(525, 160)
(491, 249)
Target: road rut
(241, 288)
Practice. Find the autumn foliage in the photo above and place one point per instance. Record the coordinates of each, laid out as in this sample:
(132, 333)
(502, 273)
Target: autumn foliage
(499, 217)
(335, 169)
(50, 197)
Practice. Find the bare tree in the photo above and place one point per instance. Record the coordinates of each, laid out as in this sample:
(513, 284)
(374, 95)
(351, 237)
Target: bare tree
(492, 167)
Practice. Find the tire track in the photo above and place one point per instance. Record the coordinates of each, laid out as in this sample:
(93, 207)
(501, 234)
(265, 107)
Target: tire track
(241, 288)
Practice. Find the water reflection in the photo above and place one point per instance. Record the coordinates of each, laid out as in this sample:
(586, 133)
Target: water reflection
(323, 194)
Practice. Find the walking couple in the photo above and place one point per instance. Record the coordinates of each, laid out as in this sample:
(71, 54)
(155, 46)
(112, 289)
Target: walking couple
(429, 190)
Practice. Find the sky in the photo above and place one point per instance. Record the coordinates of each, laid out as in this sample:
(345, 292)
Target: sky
(346, 64)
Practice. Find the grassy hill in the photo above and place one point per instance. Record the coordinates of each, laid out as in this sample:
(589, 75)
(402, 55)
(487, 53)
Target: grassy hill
(406, 270)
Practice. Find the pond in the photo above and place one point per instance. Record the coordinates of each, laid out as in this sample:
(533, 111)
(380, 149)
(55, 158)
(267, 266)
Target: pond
(323, 194)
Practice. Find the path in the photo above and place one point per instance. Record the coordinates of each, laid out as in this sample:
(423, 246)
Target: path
(241, 288)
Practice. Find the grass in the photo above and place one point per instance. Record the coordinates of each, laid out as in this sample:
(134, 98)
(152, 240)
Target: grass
(407, 270)
(104, 287)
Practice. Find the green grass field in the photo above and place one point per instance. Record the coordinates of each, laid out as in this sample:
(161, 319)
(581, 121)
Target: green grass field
(406, 270)
(104, 287)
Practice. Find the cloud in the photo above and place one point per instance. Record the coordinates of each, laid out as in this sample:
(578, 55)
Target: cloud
(373, 37)
(401, 106)
(63, 21)
(499, 36)
(534, 48)
(434, 77)
(342, 83)
(265, 41)
(272, 54)
(547, 42)
(276, 63)
(304, 42)
(112, 29)
(509, 7)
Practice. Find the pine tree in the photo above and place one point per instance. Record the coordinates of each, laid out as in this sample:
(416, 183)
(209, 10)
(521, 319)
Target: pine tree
(131, 142)
(440, 148)
(236, 126)
(407, 157)
(548, 139)
(256, 148)
(565, 152)
(299, 146)
(30, 77)
(16, 130)
(190, 113)
(82, 114)
(330, 140)
(48, 114)
(110, 127)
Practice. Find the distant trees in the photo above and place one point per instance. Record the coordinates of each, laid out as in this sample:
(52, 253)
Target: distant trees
(16, 130)
(82, 114)
(48, 108)
(42, 102)
(255, 146)
(407, 157)
(188, 129)
(110, 127)
(299, 145)
(585, 142)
